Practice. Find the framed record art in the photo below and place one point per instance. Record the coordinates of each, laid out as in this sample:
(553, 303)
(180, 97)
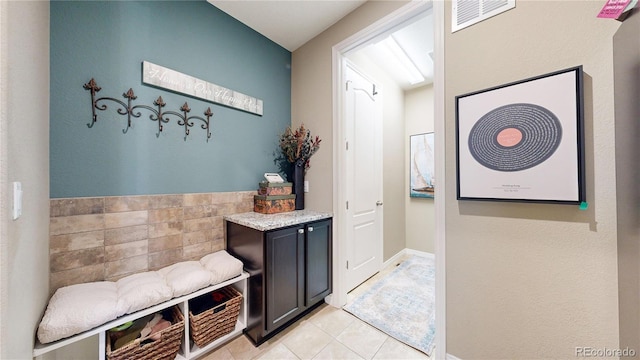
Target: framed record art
(523, 141)
(421, 165)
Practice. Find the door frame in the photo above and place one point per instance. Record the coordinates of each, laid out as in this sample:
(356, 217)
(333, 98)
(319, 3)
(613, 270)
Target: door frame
(361, 38)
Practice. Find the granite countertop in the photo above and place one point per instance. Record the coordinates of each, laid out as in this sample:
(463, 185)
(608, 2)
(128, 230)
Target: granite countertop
(264, 222)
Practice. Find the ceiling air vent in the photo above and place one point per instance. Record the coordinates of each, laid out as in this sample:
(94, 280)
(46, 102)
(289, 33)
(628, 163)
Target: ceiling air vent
(468, 12)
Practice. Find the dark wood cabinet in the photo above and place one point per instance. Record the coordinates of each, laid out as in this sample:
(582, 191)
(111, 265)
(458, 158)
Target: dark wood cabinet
(290, 272)
(318, 261)
(285, 282)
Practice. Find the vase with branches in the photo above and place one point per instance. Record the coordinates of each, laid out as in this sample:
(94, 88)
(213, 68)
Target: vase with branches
(297, 147)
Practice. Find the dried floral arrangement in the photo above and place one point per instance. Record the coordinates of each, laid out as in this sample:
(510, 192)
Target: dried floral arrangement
(298, 146)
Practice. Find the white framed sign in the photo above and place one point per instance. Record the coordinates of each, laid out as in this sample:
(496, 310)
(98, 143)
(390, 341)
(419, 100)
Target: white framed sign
(523, 141)
(169, 79)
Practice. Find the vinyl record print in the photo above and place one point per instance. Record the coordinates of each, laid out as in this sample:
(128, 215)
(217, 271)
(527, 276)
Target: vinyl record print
(523, 141)
(515, 137)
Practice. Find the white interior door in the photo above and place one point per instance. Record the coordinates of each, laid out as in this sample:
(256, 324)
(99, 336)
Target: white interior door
(363, 118)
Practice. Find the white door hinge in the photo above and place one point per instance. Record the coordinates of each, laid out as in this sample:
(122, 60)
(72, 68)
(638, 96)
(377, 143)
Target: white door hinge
(347, 145)
(347, 205)
(347, 264)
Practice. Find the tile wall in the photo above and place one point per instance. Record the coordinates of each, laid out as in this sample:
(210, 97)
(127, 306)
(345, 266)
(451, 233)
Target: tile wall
(107, 238)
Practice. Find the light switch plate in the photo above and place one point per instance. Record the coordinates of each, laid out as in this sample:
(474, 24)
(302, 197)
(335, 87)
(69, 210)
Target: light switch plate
(17, 200)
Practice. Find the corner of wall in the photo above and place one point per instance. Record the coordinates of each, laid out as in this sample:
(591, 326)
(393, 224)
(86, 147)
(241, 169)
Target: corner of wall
(25, 158)
(4, 182)
(626, 53)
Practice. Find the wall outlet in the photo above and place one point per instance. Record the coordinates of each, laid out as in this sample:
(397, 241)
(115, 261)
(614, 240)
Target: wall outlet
(306, 186)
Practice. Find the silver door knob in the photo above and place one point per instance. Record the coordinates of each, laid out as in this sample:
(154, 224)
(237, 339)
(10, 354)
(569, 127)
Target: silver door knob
(300, 231)
(378, 203)
(310, 228)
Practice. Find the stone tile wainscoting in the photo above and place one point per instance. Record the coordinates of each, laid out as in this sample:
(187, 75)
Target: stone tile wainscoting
(107, 238)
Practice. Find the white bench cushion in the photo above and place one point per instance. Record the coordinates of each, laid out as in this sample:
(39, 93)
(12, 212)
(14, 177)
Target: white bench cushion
(76, 308)
(222, 266)
(186, 277)
(140, 291)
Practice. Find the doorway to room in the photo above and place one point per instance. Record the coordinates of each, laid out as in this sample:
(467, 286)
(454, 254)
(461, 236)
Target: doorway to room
(380, 30)
(390, 89)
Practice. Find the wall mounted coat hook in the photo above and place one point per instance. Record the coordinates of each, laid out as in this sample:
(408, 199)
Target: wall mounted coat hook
(157, 114)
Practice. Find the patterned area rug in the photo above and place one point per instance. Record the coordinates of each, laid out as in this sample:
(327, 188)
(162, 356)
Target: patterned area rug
(401, 304)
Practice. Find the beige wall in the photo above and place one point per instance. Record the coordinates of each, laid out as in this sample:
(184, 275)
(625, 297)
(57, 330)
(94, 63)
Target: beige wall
(393, 154)
(534, 280)
(24, 138)
(420, 212)
(626, 50)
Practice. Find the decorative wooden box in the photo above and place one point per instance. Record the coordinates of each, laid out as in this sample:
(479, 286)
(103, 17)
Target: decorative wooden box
(272, 204)
(269, 188)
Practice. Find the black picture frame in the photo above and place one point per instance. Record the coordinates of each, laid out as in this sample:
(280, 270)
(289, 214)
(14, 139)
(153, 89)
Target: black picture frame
(523, 141)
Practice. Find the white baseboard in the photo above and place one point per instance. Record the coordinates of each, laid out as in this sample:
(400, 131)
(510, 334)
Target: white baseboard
(420, 253)
(395, 259)
(451, 357)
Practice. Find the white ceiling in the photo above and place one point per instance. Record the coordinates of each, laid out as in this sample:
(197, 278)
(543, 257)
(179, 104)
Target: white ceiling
(291, 23)
(288, 23)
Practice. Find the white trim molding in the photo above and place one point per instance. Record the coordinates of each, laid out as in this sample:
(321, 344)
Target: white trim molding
(439, 201)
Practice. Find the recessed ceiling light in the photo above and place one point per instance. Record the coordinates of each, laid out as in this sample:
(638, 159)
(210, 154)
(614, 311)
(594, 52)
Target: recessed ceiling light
(413, 75)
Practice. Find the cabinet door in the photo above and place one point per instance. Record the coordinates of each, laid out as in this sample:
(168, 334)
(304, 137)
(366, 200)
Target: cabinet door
(318, 256)
(284, 276)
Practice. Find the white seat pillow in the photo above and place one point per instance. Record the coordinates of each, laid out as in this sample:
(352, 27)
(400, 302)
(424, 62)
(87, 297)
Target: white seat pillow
(140, 291)
(77, 308)
(186, 277)
(222, 265)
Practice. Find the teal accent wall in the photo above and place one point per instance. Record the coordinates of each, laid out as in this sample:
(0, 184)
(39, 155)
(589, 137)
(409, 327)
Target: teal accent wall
(108, 40)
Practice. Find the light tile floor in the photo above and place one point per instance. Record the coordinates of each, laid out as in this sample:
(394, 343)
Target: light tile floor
(325, 333)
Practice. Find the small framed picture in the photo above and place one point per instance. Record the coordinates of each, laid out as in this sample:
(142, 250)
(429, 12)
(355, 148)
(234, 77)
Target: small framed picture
(523, 141)
(421, 165)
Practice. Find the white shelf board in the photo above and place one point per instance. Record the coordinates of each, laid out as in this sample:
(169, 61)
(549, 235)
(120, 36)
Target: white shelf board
(196, 351)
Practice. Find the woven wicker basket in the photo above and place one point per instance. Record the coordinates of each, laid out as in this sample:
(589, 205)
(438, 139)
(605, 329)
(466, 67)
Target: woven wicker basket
(218, 321)
(166, 347)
